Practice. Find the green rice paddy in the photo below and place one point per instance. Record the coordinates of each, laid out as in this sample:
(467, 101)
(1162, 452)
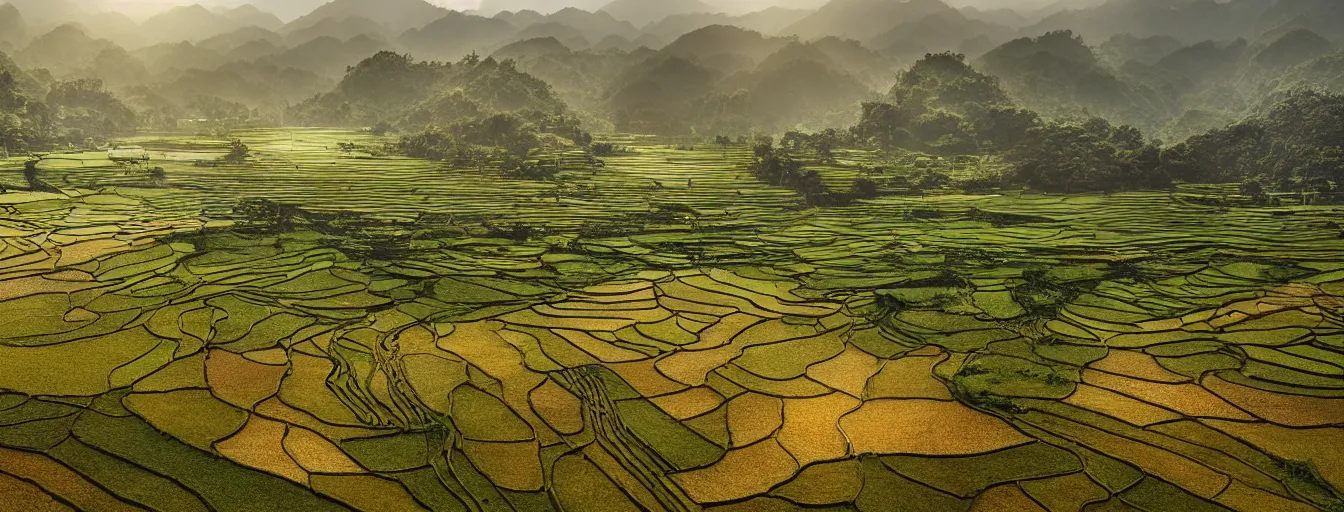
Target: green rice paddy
(663, 333)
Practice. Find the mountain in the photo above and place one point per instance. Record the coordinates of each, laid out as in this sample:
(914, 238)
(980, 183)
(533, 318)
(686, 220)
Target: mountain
(182, 56)
(397, 15)
(118, 28)
(660, 95)
(339, 28)
(254, 50)
(1291, 49)
(863, 19)
(772, 20)
(728, 80)
(286, 10)
(187, 23)
(938, 32)
(64, 49)
(393, 87)
(613, 43)
(493, 7)
(24, 84)
(225, 43)
(1187, 20)
(518, 19)
(849, 56)
(116, 68)
(1006, 17)
(531, 48)
(1123, 48)
(717, 41)
(253, 85)
(328, 56)
(13, 28)
(49, 12)
(1202, 65)
(644, 12)
(1058, 75)
(568, 36)
(742, 7)
(1323, 73)
(594, 25)
(792, 92)
(649, 41)
(792, 52)
(768, 21)
(1325, 17)
(455, 35)
(250, 16)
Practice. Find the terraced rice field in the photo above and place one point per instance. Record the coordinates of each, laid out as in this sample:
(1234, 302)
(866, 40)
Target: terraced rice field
(670, 334)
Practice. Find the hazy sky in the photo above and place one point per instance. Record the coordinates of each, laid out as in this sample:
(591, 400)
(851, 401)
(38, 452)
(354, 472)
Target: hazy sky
(143, 9)
(471, 4)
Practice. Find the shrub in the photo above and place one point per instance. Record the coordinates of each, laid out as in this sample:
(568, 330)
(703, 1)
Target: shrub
(237, 151)
(1253, 188)
(864, 188)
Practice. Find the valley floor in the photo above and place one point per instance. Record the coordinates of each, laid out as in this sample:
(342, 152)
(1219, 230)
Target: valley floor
(663, 333)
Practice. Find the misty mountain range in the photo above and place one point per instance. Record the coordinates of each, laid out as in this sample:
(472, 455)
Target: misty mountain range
(628, 62)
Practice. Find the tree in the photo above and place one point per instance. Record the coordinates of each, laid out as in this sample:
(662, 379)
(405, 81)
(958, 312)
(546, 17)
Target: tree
(931, 180)
(1297, 144)
(264, 215)
(430, 144)
(1091, 156)
(944, 80)
(942, 105)
(864, 188)
(822, 144)
(1253, 188)
(35, 183)
(944, 132)
(1001, 126)
(884, 125)
(776, 167)
(85, 110)
(238, 151)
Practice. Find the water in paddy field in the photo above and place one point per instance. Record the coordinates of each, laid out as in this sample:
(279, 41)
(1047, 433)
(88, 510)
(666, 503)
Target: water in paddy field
(667, 333)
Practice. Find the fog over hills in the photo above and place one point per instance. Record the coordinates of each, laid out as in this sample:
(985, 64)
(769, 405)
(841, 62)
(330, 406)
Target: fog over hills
(290, 9)
(1168, 67)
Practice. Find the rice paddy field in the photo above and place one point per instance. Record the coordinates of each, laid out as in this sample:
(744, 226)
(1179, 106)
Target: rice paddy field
(662, 333)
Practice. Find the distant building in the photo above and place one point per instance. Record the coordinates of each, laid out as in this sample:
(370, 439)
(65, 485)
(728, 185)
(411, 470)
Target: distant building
(189, 124)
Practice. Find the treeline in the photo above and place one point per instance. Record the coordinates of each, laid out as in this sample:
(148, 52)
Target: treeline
(503, 141)
(1295, 145)
(943, 106)
(777, 165)
(35, 117)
